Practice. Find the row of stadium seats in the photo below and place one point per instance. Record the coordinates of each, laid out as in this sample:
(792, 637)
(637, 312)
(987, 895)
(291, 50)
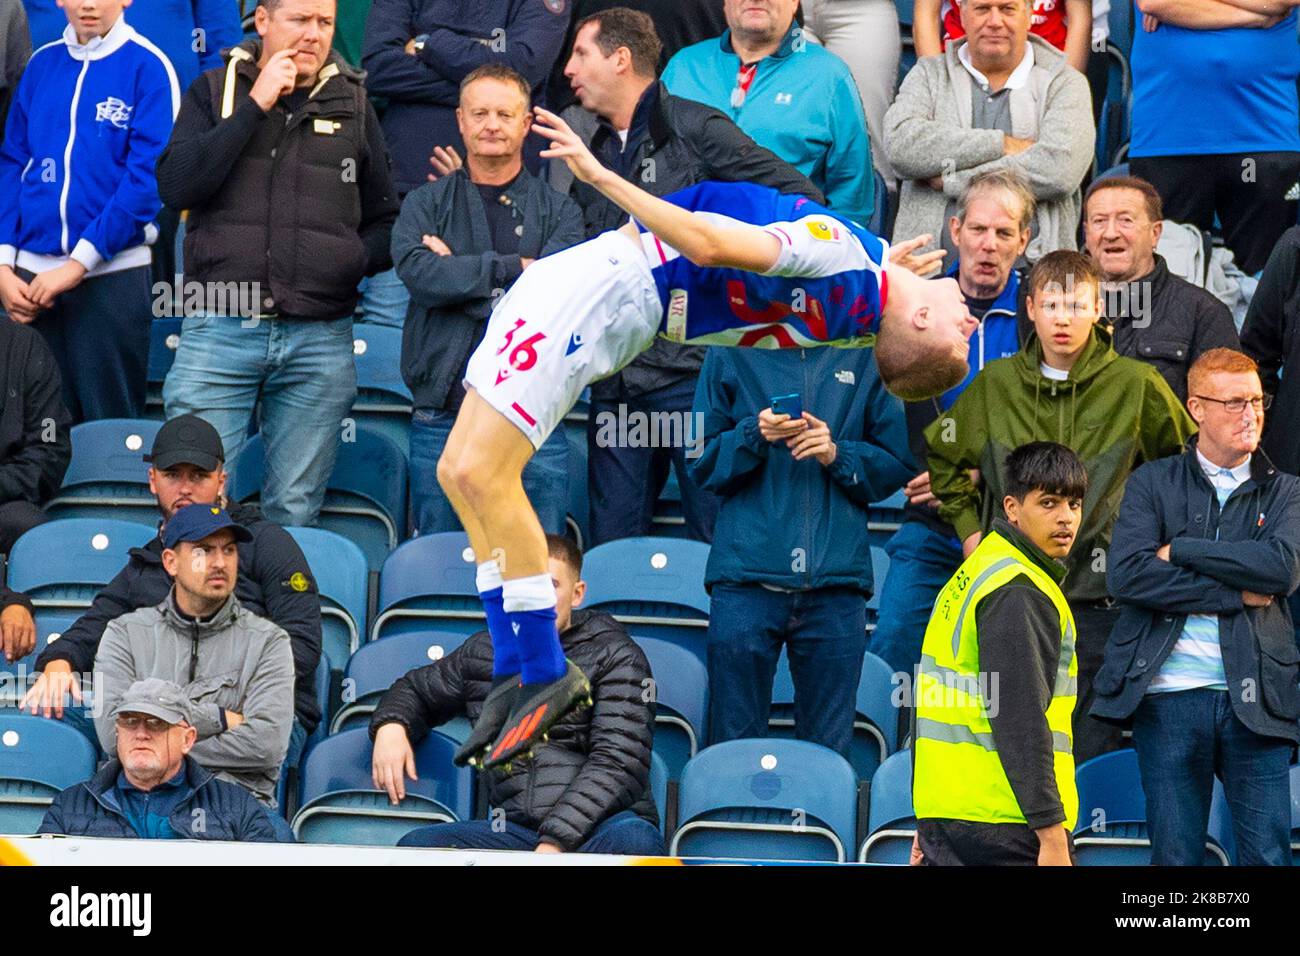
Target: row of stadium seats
(746, 799)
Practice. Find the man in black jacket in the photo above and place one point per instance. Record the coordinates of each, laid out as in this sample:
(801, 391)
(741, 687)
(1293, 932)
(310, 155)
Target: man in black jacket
(662, 143)
(281, 163)
(35, 443)
(1269, 337)
(1202, 662)
(587, 790)
(1155, 316)
(458, 244)
(273, 581)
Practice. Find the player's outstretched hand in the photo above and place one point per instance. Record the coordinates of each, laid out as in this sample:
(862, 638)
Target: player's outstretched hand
(566, 145)
(927, 263)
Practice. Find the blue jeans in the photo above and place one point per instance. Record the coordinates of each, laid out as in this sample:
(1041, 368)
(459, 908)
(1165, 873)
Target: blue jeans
(546, 476)
(824, 633)
(1184, 739)
(921, 560)
(623, 834)
(302, 373)
(383, 299)
(624, 482)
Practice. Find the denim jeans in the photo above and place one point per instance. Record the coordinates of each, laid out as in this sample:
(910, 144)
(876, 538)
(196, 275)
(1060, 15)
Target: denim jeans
(824, 633)
(624, 482)
(546, 476)
(623, 834)
(921, 560)
(383, 299)
(302, 373)
(1184, 740)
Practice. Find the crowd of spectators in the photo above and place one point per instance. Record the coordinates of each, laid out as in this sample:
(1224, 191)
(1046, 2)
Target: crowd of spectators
(336, 171)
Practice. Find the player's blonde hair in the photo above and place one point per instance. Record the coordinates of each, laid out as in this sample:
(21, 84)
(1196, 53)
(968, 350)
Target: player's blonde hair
(915, 366)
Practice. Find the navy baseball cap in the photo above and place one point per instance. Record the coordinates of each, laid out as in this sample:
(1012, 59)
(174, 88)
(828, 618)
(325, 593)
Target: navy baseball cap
(195, 522)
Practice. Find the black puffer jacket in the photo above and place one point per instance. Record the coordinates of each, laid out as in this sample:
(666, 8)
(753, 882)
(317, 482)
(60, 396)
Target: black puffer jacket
(1271, 336)
(597, 762)
(31, 468)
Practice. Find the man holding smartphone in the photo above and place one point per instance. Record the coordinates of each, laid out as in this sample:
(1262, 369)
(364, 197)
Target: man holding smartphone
(791, 562)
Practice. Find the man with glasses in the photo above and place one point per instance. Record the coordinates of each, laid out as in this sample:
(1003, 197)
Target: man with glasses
(154, 789)
(1203, 662)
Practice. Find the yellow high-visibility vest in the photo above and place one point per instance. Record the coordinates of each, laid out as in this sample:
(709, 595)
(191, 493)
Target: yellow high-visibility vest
(957, 773)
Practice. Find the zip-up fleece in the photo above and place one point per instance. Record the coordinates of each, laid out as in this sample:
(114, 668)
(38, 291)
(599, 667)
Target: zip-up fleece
(796, 524)
(77, 164)
(1114, 412)
(233, 661)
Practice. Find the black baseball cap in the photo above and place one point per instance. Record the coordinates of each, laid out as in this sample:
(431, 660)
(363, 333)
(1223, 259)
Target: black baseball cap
(195, 522)
(187, 439)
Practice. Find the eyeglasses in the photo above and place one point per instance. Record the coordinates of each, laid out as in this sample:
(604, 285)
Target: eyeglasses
(1235, 406)
(155, 725)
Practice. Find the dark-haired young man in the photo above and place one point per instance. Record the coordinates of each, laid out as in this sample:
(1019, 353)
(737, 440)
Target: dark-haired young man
(1066, 385)
(589, 790)
(993, 767)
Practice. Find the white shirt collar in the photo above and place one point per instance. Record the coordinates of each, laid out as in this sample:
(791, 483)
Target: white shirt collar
(1212, 471)
(98, 47)
(1018, 78)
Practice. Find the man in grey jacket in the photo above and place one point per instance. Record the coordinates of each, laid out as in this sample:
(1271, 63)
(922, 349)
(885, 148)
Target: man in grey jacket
(236, 667)
(999, 98)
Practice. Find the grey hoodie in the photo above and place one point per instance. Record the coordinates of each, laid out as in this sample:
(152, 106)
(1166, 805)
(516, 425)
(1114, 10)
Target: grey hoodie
(233, 661)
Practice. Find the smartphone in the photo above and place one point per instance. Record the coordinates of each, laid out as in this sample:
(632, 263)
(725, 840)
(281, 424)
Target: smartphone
(791, 405)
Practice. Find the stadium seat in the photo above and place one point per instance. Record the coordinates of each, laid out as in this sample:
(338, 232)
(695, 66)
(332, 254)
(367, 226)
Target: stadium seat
(885, 517)
(1121, 170)
(38, 759)
(905, 21)
(429, 582)
(875, 725)
(653, 585)
(1113, 130)
(17, 677)
(579, 515)
(164, 340)
(108, 477)
(879, 572)
(65, 563)
(891, 821)
(376, 666)
(766, 800)
(339, 568)
(879, 221)
(1121, 20)
(1112, 826)
(340, 805)
(365, 498)
(681, 686)
(668, 520)
(659, 788)
(383, 401)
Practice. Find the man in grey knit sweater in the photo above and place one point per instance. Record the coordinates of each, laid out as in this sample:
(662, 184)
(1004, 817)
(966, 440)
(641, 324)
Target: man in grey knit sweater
(999, 98)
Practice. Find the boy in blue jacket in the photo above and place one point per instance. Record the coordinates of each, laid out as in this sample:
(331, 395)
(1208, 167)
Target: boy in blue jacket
(78, 199)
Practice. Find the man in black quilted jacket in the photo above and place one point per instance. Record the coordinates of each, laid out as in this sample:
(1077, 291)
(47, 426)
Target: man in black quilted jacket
(588, 790)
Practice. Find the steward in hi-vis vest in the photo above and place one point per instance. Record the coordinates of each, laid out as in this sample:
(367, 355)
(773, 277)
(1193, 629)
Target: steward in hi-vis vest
(993, 772)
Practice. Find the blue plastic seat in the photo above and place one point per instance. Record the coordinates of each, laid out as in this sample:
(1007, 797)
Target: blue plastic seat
(1112, 827)
(579, 507)
(879, 572)
(108, 477)
(377, 665)
(767, 799)
(365, 497)
(659, 787)
(875, 723)
(383, 401)
(340, 571)
(340, 805)
(1113, 130)
(880, 214)
(38, 759)
(655, 586)
(426, 582)
(65, 563)
(891, 820)
(681, 686)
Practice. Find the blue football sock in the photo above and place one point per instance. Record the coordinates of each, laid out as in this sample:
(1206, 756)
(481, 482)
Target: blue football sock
(530, 609)
(505, 650)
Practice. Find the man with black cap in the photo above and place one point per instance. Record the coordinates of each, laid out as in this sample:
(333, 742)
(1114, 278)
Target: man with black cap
(274, 581)
(154, 789)
(235, 667)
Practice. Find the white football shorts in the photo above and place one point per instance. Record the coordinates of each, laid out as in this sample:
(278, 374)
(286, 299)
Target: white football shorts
(569, 320)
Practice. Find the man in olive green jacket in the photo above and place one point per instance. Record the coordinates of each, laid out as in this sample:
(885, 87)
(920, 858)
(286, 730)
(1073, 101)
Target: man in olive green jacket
(1067, 385)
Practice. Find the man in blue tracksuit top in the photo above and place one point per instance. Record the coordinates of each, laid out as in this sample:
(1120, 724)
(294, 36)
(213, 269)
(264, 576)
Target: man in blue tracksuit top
(791, 560)
(78, 199)
(990, 232)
